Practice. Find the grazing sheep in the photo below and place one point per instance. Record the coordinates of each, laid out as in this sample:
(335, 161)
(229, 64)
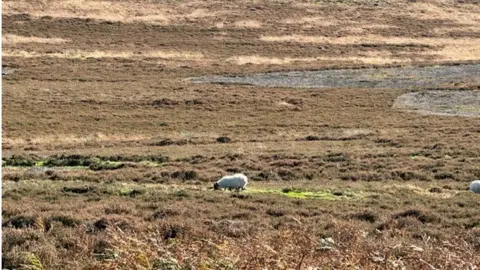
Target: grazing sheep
(237, 181)
(475, 186)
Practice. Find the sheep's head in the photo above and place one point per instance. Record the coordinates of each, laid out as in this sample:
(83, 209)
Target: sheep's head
(216, 186)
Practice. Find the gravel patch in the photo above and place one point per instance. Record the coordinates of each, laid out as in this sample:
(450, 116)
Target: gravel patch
(447, 102)
(7, 70)
(389, 78)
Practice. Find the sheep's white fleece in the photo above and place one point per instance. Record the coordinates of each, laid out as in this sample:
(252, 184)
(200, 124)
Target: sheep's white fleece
(475, 186)
(235, 181)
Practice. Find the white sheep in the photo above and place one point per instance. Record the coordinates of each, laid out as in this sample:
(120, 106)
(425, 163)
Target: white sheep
(237, 181)
(475, 186)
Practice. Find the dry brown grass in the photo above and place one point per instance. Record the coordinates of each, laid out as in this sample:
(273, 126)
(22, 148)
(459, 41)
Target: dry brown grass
(261, 60)
(248, 24)
(72, 139)
(372, 39)
(460, 52)
(377, 58)
(312, 21)
(9, 39)
(369, 58)
(135, 144)
(123, 11)
(458, 14)
(78, 54)
(448, 48)
(189, 226)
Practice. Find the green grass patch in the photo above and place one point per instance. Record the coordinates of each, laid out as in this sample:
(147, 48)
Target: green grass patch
(297, 193)
(131, 191)
(466, 108)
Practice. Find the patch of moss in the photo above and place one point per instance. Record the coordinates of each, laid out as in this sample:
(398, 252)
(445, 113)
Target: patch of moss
(297, 193)
(19, 161)
(40, 163)
(322, 195)
(131, 192)
(458, 108)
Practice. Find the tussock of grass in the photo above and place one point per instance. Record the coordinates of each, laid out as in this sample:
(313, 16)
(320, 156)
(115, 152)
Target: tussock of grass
(131, 192)
(418, 214)
(20, 222)
(367, 216)
(79, 190)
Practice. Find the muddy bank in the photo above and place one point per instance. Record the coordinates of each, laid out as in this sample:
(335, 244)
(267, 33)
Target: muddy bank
(392, 78)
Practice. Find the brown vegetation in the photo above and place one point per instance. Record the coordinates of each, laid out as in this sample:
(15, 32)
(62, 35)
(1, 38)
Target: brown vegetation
(110, 151)
(65, 224)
